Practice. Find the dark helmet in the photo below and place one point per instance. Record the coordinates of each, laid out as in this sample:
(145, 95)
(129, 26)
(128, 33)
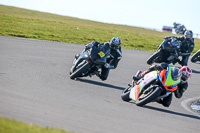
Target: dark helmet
(188, 34)
(115, 43)
(174, 23)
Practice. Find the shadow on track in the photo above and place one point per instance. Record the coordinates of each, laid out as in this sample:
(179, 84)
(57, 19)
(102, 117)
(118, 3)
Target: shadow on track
(194, 71)
(171, 112)
(100, 83)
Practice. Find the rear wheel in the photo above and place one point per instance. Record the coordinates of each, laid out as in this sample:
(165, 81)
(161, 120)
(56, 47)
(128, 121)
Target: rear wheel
(125, 94)
(156, 57)
(150, 96)
(195, 57)
(80, 70)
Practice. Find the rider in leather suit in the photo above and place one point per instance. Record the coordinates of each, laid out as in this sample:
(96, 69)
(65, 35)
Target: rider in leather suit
(116, 55)
(187, 46)
(182, 86)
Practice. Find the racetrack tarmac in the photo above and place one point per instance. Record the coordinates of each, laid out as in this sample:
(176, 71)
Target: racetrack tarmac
(35, 88)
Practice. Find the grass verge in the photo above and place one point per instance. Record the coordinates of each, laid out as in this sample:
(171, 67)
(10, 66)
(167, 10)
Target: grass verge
(24, 23)
(13, 126)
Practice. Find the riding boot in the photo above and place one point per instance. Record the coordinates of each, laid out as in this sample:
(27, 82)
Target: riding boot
(77, 55)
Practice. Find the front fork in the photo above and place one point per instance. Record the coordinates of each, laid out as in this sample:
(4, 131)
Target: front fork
(173, 58)
(163, 96)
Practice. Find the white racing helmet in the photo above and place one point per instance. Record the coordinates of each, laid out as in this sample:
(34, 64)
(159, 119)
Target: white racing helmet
(115, 43)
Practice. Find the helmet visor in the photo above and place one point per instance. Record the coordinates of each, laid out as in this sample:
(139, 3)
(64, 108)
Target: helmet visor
(188, 36)
(184, 78)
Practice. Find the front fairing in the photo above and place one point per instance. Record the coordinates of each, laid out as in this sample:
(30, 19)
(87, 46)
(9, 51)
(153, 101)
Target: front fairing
(170, 45)
(167, 46)
(82, 59)
(137, 89)
(83, 56)
(99, 55)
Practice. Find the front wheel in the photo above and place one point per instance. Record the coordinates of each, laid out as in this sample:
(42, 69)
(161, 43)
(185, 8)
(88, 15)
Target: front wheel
(80, 70)
(156, 57)
(195, 57)
(125, 94)
(146, 98)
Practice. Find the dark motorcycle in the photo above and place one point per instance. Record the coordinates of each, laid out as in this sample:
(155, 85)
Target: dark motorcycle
(168, 51)
(196, 57)
(90, 61)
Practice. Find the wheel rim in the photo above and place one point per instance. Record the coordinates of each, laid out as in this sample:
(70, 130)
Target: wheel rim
(143, 96)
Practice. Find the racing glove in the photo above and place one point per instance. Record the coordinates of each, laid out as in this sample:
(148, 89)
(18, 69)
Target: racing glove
(107, 65)
(88, 46)
(141, 75)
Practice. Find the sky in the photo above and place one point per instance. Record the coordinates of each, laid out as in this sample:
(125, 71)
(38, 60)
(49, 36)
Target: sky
(153, 14)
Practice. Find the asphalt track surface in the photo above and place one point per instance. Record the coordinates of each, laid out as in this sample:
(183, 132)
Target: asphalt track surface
(35, 88)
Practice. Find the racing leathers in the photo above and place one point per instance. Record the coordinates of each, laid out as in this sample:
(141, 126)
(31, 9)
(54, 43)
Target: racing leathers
(187, 47)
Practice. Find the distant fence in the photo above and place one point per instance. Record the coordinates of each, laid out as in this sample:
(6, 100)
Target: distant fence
(195, 35)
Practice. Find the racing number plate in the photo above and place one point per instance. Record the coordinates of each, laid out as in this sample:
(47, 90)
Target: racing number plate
(101, 54)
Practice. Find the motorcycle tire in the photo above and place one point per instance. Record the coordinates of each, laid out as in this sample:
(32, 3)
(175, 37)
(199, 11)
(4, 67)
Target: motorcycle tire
(150, 97)
(195, 57)
(125, 94)
(152, 58)
(80, 70)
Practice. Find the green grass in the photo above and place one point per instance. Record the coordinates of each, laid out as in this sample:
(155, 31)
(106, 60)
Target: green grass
(19, 22)
(13, 126)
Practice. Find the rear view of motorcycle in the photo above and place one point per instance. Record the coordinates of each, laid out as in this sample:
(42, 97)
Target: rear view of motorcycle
(196, 57)
(89, 61)
(168, 51)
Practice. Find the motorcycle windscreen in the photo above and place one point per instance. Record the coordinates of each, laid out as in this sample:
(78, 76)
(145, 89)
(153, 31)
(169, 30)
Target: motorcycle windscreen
(170, 45)
(105, 49)
(94, 53)
(148, 78)
(170, 83)
(98, 56)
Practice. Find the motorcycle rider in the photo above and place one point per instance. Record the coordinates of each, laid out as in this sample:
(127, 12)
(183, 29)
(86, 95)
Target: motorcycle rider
(179, 29)
(182, 87)
(116, 55)
(187, 46)
(175, 24)
(185, 72)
